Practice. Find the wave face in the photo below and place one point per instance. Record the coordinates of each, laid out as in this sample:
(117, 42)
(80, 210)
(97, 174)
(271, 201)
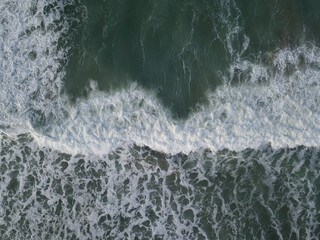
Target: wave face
(159, 119)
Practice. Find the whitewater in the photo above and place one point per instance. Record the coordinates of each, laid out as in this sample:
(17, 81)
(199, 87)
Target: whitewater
(284, 111)
(119, 165)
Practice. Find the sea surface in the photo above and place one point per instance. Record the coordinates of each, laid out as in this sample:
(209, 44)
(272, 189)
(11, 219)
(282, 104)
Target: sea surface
(160, 119)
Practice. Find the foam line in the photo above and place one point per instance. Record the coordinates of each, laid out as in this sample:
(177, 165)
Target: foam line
(283, 112)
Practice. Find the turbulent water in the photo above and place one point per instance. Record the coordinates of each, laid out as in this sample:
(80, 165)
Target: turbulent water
(162, 119)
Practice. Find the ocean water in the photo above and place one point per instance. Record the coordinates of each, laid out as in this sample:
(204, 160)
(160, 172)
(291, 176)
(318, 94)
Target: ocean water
(162, 119)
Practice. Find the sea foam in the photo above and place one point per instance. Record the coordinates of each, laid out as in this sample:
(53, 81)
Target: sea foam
(30, 64)
(47, 192)
(283, 112)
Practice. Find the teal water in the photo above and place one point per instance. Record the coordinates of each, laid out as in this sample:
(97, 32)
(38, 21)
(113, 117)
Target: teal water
(159, 119)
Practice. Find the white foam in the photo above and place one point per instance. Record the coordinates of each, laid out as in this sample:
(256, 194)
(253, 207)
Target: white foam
(30, 79)
(284, 113)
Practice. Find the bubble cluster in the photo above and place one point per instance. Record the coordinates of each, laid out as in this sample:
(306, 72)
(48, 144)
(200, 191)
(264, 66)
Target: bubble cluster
(33, 51)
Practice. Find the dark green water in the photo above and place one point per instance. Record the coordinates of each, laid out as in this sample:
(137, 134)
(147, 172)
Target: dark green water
(164, 119)
(180, 49)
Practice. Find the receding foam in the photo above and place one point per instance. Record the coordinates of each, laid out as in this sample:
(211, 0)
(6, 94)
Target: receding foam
(30, 76)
